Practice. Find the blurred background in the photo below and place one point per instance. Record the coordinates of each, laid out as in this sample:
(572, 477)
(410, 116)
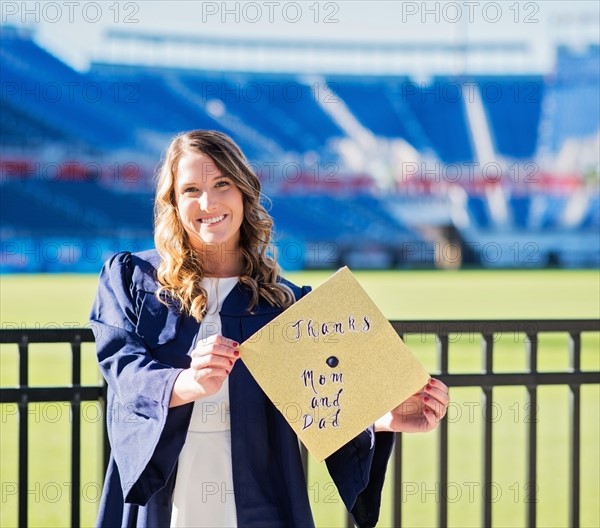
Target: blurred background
(386, 134)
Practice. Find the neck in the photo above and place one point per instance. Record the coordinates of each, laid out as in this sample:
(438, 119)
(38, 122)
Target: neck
(221, 261)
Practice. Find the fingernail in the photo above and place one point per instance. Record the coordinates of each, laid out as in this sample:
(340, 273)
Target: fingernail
(426, 399)
(235, 345)
(236, 353)
(431, 381)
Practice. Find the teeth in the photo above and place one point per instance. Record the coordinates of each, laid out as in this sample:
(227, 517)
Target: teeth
(212, 220)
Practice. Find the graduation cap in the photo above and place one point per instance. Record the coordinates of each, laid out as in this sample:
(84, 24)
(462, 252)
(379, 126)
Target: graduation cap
(332, 364)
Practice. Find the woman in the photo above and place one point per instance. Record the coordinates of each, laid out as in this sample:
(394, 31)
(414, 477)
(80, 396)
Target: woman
(195, 442)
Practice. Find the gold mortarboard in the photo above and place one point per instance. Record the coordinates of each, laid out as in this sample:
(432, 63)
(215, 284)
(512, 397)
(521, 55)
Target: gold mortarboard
(332, 364)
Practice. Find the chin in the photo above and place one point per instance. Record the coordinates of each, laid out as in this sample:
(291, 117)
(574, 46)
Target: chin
(212, 240)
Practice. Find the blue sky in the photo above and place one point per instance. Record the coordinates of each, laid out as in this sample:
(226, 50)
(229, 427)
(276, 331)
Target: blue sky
(75, 31)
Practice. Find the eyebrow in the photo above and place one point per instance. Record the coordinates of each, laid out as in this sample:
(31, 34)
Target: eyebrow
(215, 178)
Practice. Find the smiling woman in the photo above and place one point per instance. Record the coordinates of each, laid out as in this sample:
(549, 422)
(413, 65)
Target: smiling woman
(168, 324)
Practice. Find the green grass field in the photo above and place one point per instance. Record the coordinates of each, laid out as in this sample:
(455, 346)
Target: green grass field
(64, 301)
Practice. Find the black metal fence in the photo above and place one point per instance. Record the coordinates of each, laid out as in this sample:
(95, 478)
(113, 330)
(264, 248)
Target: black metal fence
(573, 378)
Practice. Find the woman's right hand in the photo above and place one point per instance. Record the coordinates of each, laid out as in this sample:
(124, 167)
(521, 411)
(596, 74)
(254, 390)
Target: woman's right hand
(212, 361)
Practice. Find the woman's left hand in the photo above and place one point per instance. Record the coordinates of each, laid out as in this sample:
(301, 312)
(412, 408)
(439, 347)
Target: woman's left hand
(421, 413)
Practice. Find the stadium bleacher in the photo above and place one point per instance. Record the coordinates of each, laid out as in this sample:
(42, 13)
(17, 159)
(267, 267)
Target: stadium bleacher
(44, 90)
(380, 106)
(513, 104)
(46, 105)
(591, 219)
(572, 96)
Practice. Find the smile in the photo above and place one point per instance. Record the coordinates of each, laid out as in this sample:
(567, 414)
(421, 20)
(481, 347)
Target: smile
(212, 219)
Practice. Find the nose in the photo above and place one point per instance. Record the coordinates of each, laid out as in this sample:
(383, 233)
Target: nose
(206, 201)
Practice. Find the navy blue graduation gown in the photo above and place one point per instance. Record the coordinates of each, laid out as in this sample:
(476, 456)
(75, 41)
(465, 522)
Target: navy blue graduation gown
(142, 346)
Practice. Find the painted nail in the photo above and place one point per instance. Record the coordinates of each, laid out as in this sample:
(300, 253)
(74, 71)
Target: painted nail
(236, 353)
(235, 345)
(426, 399)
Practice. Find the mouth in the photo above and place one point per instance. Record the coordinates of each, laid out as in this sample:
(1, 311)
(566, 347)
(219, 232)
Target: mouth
(212, 220)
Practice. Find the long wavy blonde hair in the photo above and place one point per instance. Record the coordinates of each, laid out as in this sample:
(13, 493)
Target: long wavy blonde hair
(182, 266)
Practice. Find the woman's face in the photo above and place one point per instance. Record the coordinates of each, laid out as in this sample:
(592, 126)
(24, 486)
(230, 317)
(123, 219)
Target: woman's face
(209, 204)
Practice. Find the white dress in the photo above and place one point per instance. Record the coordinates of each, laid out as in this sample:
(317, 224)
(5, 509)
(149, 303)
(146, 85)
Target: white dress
(203, 494)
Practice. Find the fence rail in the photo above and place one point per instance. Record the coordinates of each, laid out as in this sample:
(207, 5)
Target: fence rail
(573, 377)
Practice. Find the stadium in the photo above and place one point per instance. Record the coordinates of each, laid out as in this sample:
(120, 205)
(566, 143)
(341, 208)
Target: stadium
(373, 171)
(458, 175)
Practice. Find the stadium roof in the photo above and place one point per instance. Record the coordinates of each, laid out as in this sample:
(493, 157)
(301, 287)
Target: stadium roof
(418, 58)
(321, 44)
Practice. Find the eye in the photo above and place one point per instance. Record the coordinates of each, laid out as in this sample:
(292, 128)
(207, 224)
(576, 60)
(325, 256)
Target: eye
(221, 184)
(190, 189)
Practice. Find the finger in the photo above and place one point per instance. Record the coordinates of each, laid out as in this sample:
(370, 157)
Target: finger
(438, 408)
(435, 386)
(431, 418)
(434, 382)
(222, 340)
(438, 394)
(212, 360)
(215, 349)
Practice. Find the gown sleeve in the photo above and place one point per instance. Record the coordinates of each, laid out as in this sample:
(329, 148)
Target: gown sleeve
(139, 385)
(358, 471)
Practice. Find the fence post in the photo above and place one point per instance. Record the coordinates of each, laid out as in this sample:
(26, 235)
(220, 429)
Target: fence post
(575, 441)
(488, 366)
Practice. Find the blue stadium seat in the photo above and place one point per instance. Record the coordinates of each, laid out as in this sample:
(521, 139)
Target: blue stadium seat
(46, 91)
(519, 206)
(478, 211)
(555, 206)
(591, 219)
(398, 108)
(573, 96)
(44, 215)
(513, 105)
(443, 118)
